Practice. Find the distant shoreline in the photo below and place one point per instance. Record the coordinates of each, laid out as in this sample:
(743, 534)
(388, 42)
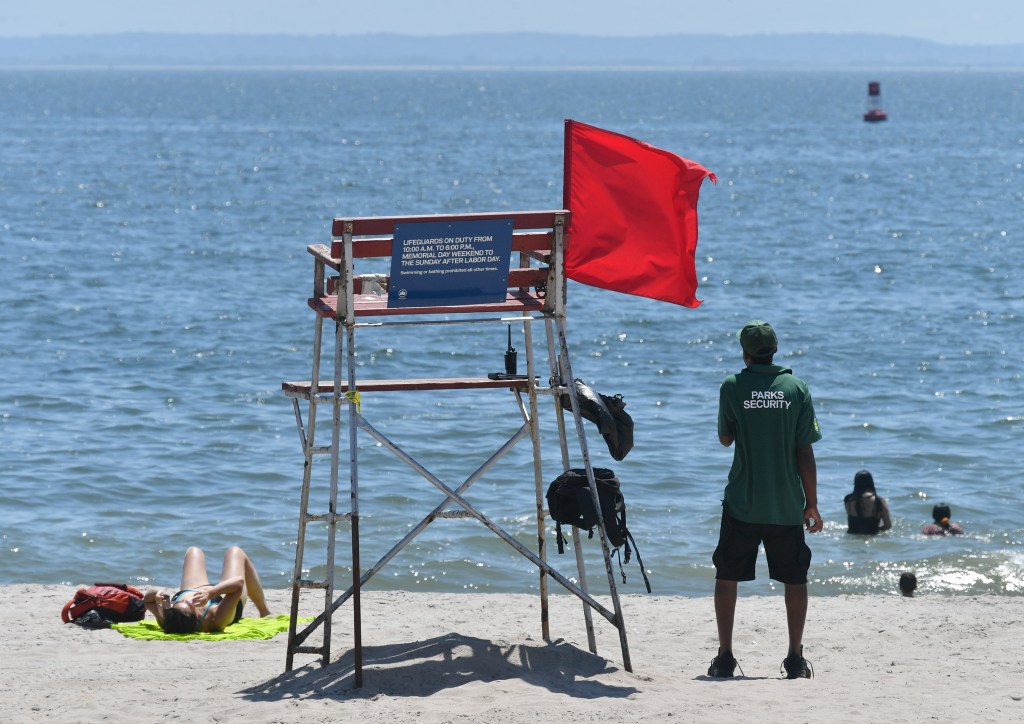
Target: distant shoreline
(491, 51)
(178, 68)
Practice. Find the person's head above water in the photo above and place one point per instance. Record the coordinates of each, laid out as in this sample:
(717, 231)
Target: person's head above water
(908, 584)
(863, 482)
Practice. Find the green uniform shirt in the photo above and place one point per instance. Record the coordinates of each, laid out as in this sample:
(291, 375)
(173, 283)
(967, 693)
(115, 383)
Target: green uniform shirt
(770, 414)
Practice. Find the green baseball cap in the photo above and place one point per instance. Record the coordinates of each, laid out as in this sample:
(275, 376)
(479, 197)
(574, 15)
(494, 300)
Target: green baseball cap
(758, 339)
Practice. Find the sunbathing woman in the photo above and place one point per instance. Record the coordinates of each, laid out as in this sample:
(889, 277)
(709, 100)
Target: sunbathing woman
(201, 606)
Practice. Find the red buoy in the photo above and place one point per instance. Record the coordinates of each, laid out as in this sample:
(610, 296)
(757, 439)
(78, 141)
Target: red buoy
(875, 112)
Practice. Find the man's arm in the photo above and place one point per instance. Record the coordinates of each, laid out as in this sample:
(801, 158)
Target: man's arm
(726, 425)
(808, 471)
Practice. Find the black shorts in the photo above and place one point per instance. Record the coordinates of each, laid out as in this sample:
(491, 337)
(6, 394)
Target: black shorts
(784, 547)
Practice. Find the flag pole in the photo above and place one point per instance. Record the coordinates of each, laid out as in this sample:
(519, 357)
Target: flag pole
(566, 161)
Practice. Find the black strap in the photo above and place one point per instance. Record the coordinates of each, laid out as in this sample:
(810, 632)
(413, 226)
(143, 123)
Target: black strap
(626, 529)
(618, 557)
(639, 560)
(558, 535)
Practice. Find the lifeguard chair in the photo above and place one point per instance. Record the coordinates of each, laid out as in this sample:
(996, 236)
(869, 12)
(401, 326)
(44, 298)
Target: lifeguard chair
(534, 292)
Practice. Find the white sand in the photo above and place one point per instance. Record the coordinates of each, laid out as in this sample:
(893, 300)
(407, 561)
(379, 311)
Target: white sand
(480, 658)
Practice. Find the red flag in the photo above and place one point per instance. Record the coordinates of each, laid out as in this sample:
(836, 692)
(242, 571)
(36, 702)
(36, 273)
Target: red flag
(634, 215)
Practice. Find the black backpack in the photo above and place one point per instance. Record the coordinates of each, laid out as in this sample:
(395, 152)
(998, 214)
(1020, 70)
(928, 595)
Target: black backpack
(570, 502)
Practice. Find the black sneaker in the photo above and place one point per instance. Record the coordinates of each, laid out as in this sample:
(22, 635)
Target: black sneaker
(796, 666)
(723, 665)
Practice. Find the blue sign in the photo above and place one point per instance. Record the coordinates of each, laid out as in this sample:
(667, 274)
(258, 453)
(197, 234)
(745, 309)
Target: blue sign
(441, 263)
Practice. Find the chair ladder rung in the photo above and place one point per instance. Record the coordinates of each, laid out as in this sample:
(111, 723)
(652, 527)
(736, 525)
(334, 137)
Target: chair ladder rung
(310, 583)
(454, 514)
(327, 517)
(327, 398)
(318, 650)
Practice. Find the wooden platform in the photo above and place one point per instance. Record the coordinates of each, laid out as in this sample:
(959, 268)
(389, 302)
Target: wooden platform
(304, 389)
(370, 305)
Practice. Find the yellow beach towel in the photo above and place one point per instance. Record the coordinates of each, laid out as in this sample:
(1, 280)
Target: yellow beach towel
(244, 628)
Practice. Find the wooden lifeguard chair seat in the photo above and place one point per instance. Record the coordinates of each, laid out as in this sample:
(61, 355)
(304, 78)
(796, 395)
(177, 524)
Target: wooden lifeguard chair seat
(529, 287)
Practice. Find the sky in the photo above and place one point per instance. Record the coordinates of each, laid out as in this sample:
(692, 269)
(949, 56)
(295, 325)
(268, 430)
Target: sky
(959, 22)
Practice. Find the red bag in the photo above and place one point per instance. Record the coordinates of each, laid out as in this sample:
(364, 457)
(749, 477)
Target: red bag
(116, 602)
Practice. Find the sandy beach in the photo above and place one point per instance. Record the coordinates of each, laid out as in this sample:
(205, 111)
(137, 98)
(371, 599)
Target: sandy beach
(480, 658)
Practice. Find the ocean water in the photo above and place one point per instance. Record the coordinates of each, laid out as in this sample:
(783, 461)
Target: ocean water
(153, 284)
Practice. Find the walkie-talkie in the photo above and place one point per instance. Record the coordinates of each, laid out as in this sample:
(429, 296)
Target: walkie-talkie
(510, 355)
